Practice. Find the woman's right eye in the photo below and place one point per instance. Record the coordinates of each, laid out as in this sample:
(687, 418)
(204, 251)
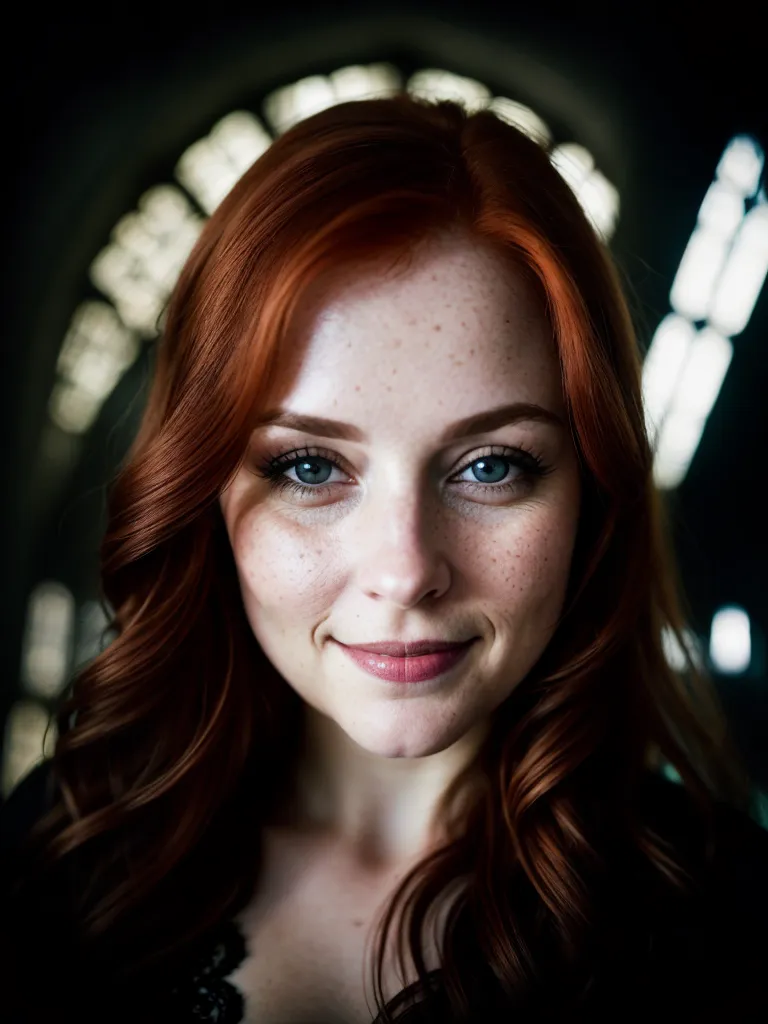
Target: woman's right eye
(312, 469)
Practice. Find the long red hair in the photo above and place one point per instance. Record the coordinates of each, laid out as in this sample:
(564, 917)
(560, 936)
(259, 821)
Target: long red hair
(177, 740)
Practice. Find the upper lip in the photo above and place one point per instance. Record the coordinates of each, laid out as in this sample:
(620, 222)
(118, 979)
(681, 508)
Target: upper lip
(411, 648)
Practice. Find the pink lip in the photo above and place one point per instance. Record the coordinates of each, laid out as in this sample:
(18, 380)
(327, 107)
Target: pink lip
(408, 669)
(408, 649)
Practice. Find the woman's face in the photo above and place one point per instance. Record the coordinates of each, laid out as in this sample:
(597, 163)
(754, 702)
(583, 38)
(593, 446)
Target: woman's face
(405, 523)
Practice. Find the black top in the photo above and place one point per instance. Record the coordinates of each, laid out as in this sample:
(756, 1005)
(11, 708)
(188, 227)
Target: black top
(705, 961)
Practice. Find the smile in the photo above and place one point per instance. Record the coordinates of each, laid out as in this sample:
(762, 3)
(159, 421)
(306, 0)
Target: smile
(410, 669)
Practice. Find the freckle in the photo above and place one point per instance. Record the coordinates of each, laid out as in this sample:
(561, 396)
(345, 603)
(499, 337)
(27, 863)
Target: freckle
(463, 324)
(389, 387)
(357, 922)
(394, 372)
(471, 351)
(437, 327)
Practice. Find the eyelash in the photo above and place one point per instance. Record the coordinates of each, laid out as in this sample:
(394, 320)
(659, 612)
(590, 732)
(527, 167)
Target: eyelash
(274, 468)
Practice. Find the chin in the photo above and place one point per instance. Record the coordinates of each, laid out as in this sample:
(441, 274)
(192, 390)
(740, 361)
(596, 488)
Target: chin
(397, 742)
(405, 750)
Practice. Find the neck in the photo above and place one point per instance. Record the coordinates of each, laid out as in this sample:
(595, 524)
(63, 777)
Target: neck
(382, 811)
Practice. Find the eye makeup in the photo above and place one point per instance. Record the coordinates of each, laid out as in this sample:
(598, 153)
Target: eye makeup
(275, 467)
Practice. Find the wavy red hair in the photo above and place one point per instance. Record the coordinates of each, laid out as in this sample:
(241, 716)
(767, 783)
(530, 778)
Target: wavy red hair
(180, 731)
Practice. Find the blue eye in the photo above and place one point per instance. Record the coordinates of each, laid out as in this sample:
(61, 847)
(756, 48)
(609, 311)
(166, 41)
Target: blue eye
(313, 467)
(485, 467)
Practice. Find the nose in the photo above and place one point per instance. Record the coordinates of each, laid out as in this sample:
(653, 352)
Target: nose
(398, 553)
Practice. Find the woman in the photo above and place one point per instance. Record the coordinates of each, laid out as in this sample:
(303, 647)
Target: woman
(396, 403)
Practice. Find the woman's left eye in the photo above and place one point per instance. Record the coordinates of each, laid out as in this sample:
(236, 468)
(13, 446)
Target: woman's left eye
(490, 471)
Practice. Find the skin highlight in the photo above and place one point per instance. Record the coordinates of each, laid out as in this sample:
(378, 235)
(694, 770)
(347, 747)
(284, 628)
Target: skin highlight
(402, 539)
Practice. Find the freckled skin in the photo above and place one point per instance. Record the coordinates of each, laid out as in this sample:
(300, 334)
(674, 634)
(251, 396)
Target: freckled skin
(399, 549)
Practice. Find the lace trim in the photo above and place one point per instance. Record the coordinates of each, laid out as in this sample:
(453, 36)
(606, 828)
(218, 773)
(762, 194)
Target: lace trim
(205, 995)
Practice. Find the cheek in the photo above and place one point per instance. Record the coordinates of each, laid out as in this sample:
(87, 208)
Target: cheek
(283, 573)
(524, 570)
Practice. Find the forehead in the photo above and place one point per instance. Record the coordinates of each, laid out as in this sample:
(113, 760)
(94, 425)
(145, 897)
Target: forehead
(459, 331)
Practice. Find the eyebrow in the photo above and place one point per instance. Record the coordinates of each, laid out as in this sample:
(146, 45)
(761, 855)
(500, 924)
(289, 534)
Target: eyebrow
(481, 423)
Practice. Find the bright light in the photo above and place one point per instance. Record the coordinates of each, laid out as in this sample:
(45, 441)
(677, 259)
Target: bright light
(573, 162)
(72, 409)
(48, 639)
(522, 117)
(703, 374)
(600, 201)
(742, 164)
(722, 209)
(24, 747)
(730, 644)
(674, 653)
(696, 393)
(662, 367)
(96, 351)
(718, 281)
(598, 197)
(212, 165)
(742, 280)
(708, 252)
(700, 267)
(434, 84)
(361, 82)
(293, 103)
(675, 448)
(138, 269)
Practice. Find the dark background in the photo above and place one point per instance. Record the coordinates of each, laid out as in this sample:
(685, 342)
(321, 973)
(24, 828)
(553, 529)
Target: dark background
(98, 109)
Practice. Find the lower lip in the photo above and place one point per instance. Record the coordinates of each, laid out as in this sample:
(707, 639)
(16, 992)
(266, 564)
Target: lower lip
(407, 670)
